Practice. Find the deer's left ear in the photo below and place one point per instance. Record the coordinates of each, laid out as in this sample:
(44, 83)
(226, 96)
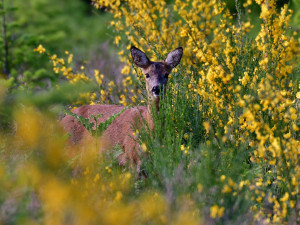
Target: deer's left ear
(139, 58)
(174, 57)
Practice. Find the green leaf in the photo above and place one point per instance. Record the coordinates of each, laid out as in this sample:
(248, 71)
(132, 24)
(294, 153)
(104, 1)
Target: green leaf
(90, 125)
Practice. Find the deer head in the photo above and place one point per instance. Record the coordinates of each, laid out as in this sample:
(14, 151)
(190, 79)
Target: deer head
(156, 73)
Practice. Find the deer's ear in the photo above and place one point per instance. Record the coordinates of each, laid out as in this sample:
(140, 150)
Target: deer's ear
(174, 57)
(139, 58)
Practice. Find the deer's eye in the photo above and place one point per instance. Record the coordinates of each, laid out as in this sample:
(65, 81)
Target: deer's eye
(147, 75)
(166, 75)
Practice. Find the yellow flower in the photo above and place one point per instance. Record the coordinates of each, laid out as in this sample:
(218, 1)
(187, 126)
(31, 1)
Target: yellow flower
(242, 103)
(226, 189)
(70, 58)
(119, 196)
(206, 126)
(287, 135)
(186, 136)
(40, 49)
(184, 32)
(182, 148)
(264, 11)
(125, 70)
(117, 40)
(293, 110)
(294, 116)
(144, 147)
(216, 211)
(259, 199)
(285, 197)
(295, 127)
(28, 127)
(222, 178)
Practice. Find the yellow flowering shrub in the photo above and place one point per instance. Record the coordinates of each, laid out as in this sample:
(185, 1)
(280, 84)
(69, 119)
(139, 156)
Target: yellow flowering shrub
(226, 140)
(51, 184)
(247, 88)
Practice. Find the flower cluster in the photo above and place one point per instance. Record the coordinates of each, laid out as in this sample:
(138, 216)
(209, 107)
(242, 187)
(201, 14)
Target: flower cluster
(246, 90)
(233, 97)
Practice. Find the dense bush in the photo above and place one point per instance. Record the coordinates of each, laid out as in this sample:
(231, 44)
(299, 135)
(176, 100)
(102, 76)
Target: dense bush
(225, 149)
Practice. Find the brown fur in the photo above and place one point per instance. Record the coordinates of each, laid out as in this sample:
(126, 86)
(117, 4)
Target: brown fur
(119, 132)
(156, 71)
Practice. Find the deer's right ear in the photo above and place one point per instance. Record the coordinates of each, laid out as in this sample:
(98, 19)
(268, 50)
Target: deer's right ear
(174, 57)
(139, 58)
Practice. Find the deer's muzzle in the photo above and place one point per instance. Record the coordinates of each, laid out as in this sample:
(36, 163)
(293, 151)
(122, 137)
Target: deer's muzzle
(157, 91)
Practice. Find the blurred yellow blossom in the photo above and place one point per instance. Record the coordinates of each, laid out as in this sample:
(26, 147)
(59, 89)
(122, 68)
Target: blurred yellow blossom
(216, 211)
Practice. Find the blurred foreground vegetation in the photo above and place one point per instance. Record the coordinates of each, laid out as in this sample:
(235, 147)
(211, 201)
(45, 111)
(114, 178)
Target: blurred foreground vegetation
(225, 149)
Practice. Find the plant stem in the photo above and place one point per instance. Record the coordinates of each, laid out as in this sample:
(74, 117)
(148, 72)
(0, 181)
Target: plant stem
(6, 70)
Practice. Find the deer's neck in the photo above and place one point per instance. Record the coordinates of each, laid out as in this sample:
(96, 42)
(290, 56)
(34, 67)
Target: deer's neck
(152, 107)
(153, 103)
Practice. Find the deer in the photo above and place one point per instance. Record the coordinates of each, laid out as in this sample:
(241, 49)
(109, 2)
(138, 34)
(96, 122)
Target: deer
(120, 131)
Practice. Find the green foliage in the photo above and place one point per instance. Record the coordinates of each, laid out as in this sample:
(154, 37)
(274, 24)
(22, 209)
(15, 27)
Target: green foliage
(59, 25)
(51, 100)
(182, 154)
(91, 124)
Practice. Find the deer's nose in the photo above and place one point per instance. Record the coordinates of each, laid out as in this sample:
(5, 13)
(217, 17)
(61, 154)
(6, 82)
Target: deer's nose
(156, 90)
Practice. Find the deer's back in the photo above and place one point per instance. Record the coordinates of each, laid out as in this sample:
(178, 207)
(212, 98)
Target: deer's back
(120, 131)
